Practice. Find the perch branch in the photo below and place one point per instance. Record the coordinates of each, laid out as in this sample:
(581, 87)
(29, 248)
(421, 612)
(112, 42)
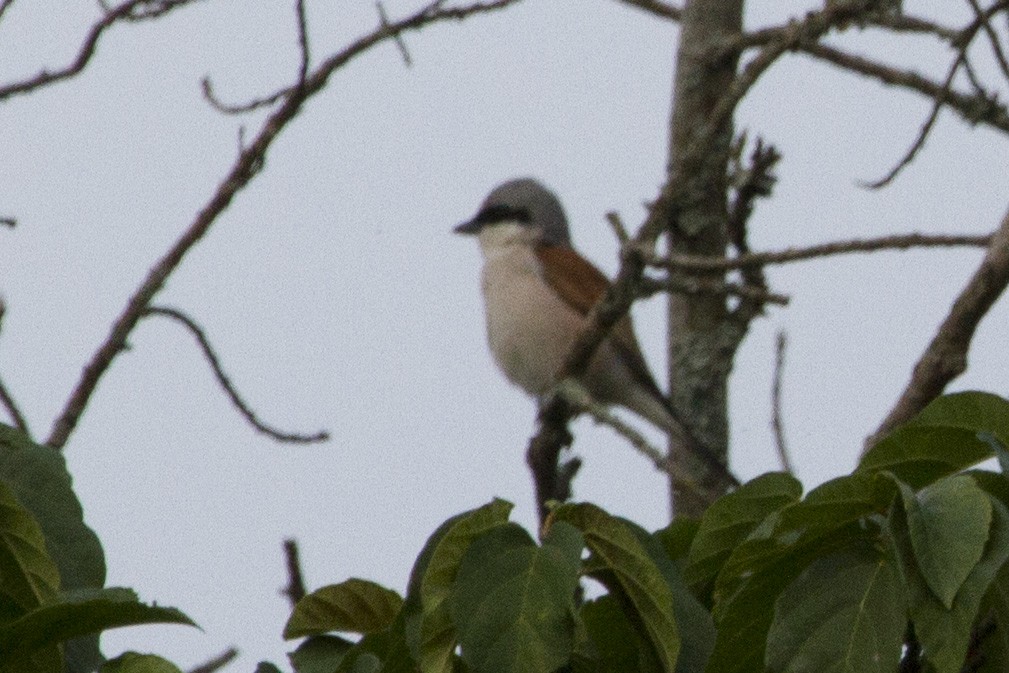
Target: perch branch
(295, 589)
(225, 381)
(245, 168)
(945, 358)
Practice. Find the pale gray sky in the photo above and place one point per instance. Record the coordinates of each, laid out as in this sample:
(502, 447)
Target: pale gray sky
(338, 298)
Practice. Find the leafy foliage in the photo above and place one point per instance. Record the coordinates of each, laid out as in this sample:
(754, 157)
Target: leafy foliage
(52, 568)
(902, 562)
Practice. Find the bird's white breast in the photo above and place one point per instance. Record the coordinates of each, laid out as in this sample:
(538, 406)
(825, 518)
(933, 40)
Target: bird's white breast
(529, 328)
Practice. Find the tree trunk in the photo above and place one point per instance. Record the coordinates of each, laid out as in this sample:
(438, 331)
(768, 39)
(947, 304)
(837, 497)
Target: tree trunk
(699, 364)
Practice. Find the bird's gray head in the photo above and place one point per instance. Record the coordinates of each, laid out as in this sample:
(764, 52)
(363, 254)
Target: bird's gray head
(523, 200)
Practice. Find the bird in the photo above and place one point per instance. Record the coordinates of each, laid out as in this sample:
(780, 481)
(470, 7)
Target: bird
(538, 291)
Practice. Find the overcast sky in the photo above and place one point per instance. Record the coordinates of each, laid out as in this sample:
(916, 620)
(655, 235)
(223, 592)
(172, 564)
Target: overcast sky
(338, 299)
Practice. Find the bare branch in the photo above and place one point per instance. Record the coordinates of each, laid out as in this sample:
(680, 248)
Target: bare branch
(299, 6)
(400, 42)
(926, 128)
(896, 242)
(976, 109)
(905, 23)
(8, 222)
(692, 285)
(217, 663)
(227, 385)
(777, 422)
(229, 109)
(945, 358)
(133, 10)
(551, 477)
(579, 398)
(295, 589)
(245, 168)
(993, 39)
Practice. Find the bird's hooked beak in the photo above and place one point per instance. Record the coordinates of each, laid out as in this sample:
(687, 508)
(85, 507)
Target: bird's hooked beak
(472, 227)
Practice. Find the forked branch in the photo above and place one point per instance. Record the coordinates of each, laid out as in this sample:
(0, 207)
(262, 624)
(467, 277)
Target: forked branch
(248, 163)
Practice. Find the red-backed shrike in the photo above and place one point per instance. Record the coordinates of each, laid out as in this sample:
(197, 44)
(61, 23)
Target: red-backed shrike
(537, 292)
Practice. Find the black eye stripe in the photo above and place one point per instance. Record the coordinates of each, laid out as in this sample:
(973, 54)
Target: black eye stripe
(500, 212)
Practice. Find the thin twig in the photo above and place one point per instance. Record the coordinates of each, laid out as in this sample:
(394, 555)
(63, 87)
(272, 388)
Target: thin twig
(244, 169)
(400, 42)
(295, 589)
(777, 420)
(581, 401)
(128, 11)
(993, 39)
(226, 108)
(217, 663)
(945, 358)
(692, 285)
(976, 109)
(299, 6)
(788, 255)
(925, 129)
(618, 228)
(8, 222)
(225, 382)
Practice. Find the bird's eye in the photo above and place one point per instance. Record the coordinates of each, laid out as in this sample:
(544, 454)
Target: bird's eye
(500, 213)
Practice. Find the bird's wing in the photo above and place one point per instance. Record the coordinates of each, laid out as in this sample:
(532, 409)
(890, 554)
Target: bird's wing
(581, 285)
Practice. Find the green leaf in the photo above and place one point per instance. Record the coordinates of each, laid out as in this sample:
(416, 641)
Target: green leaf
(266, 667)
(838, 502)
(429, 626)
(386, 651)
(945, 633)
(80, 613)
(677, 537)
(132, 662)
(994, 649)
(513, 601)
(760, 568)
(319, 654)
(730, 519)
(945, 438)
(39, 479)
(970, 410)
(844, 614)
(356, 605)
(634, 573)
(28, 576)
(696, 628)
(46, 660)
(613, 644)
(948, 521)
